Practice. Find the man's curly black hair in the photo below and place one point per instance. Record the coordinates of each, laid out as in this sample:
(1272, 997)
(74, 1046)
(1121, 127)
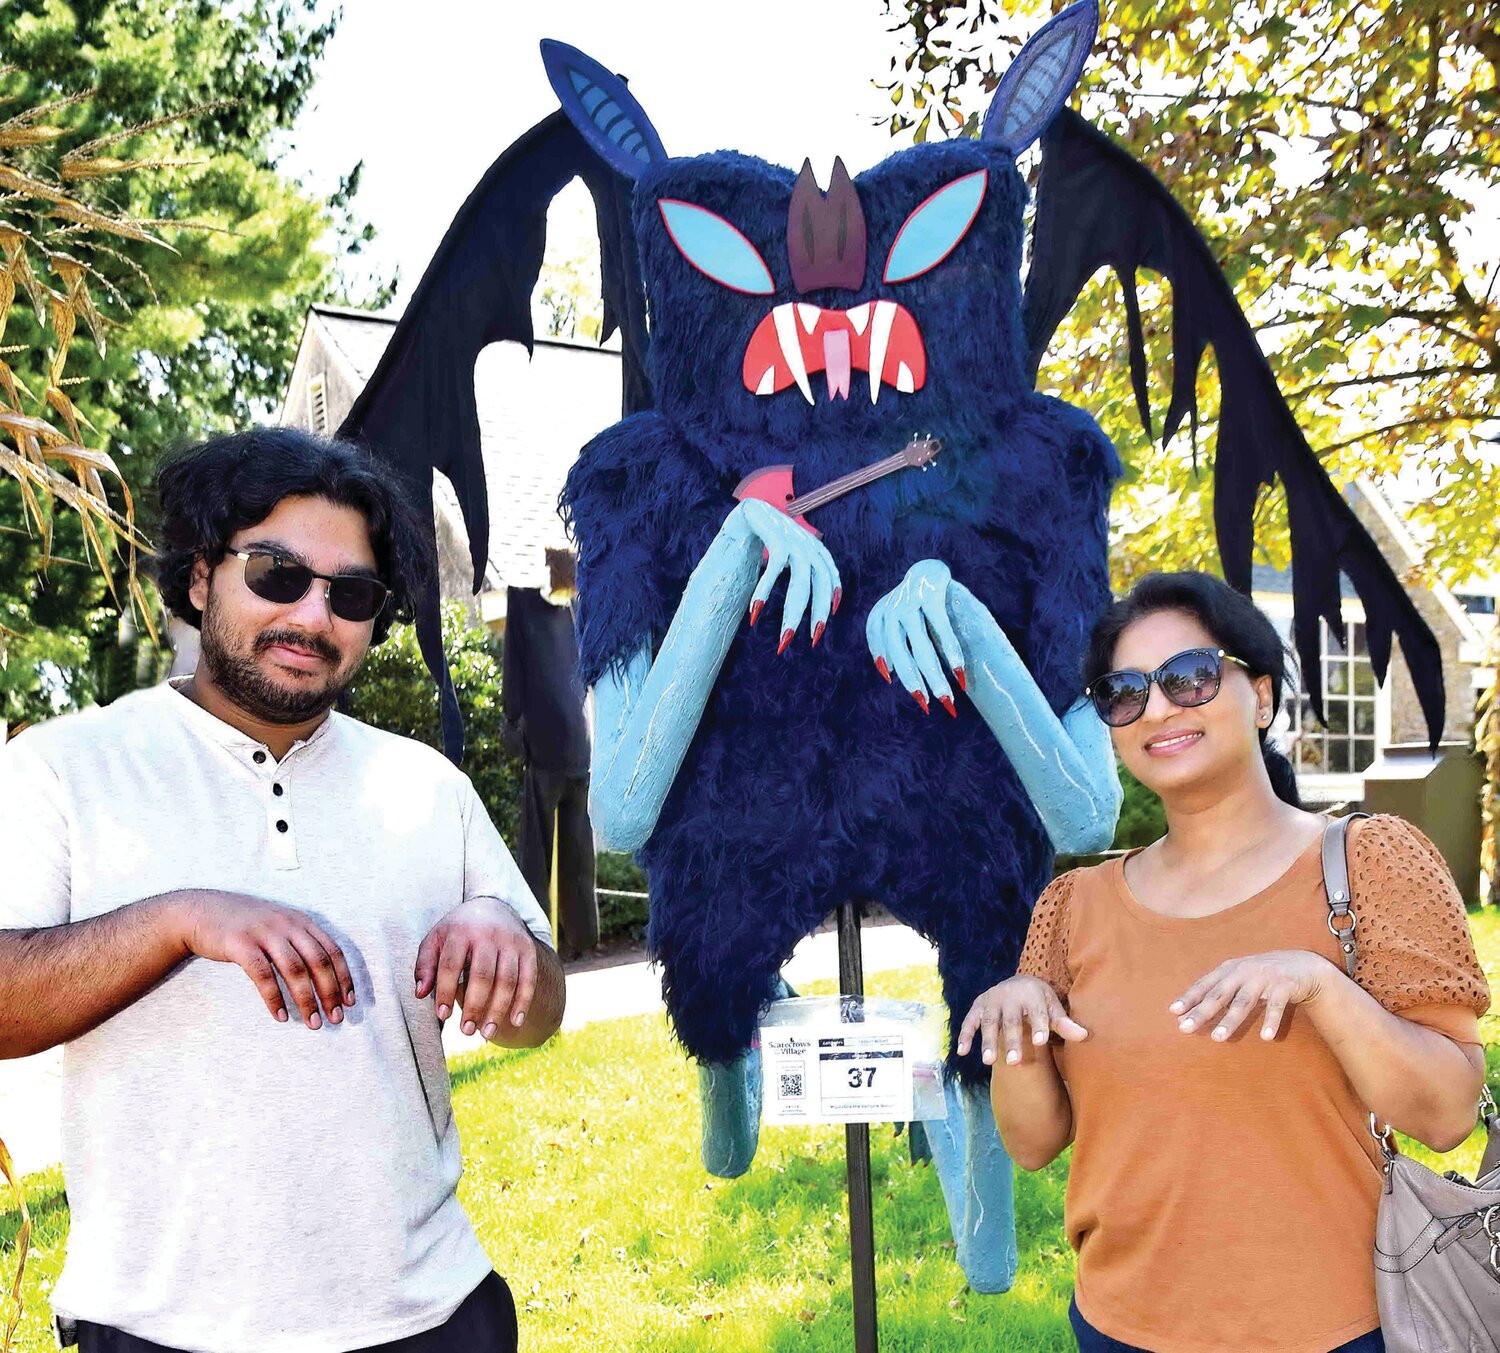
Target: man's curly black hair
(211, 490)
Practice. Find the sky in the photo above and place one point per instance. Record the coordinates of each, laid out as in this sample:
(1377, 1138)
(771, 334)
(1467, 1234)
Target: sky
(429, 92)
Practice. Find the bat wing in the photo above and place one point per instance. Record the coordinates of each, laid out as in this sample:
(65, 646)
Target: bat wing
(1096, 207)
(418, 409)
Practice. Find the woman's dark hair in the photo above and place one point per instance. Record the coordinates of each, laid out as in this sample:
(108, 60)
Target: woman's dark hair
(218, 487)
(1238, 626)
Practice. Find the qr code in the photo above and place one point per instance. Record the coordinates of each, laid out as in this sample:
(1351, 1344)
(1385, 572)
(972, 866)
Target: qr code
(791, 1085)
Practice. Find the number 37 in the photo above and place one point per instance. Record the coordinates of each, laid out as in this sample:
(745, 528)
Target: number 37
(862, 1077)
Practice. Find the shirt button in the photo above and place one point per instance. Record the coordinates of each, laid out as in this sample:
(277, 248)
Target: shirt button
(281, 825)
(259, 758)
(277, 790)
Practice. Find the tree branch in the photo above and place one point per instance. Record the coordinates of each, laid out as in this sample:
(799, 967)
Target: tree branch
(1428, 420)
(1420, 374)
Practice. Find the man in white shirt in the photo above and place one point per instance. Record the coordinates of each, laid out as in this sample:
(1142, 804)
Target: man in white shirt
(247, 917)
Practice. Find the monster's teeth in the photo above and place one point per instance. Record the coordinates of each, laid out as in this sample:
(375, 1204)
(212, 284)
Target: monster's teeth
(859, 317)
(880, 339)
(767, 384)
(904, 381)
(791, 348)
(808, 314)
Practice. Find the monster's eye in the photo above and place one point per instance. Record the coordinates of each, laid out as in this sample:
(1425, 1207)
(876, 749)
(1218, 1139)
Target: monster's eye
(933, 231)
(716, 248)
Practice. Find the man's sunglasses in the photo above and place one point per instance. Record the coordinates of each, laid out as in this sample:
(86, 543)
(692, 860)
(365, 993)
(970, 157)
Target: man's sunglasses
(1186, 679)
(283, 582)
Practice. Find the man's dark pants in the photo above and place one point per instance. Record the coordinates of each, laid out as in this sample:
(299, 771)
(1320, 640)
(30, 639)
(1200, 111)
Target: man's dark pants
(485, 1323)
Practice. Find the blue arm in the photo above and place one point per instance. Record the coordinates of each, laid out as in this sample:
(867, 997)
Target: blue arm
(1066, 765)
(647, 709)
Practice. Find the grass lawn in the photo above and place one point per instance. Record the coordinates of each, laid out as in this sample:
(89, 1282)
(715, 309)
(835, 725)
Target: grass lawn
(584, 1183)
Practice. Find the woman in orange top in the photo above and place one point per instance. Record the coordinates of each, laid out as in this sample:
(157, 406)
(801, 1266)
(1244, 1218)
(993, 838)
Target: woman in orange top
(1214, 1067)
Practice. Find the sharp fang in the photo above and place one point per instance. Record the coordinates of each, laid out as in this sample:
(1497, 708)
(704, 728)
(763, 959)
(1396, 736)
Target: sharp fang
(859, 317)
(904, 382)
(808, 314)
(791, 348)
(880, 338)
(767, 384)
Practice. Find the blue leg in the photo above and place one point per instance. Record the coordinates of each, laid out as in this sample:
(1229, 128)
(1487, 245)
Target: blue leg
(979, 1188)
(945, 1136)
(729, 1094)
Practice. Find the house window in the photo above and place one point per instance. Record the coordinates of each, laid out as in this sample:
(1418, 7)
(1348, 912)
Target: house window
(1346, 744)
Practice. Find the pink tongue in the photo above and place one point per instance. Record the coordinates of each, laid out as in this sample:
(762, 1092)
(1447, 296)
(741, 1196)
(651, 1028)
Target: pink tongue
(836, 362)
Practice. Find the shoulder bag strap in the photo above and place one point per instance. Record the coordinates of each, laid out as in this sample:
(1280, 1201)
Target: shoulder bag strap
(1342, 922)
(1341, 919)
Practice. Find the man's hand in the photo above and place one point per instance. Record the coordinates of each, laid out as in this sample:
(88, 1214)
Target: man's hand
(1278, 979)
(482, 956)
(267, 941)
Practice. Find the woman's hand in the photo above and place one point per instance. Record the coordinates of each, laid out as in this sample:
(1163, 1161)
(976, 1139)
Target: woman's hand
(1002, 1009)
(1279, 979)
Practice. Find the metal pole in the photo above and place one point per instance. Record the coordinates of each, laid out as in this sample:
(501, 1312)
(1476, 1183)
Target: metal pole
(857, 1157)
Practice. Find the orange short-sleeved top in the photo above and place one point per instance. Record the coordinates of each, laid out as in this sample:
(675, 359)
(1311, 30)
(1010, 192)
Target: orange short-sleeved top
(1222, 1196)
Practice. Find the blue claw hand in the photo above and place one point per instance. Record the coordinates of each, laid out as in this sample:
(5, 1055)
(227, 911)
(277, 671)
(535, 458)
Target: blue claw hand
(909, 626)
(812, 576)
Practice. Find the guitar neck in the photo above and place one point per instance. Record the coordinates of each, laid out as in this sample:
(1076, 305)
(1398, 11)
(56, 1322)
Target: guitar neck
(845, 484)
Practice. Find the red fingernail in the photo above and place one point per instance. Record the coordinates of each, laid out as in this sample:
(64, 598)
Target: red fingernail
(963, 681)
(921, 700)
(755, 607)
(817, 633)
(838, 596)
(946, 701)
(786, 638)
(883, 670)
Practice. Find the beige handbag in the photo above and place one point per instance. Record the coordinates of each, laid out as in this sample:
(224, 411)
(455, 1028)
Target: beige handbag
(1437, 1237)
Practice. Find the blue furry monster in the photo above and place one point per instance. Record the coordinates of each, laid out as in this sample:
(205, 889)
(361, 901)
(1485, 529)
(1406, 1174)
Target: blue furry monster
(902, 727)
(767, 772)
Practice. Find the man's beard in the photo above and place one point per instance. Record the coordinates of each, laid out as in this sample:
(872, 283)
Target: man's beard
(245, 684)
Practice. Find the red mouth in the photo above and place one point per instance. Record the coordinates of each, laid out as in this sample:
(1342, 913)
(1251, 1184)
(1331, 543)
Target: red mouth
(797, 340)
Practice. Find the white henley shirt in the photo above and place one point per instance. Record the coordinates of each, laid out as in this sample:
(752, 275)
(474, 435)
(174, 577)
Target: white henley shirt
(238, 1185)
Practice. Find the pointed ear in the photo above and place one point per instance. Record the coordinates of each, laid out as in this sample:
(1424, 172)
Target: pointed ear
(1041, 77)
(604, 111)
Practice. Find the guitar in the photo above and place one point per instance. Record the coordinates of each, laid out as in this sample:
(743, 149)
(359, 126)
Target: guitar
(774, 484)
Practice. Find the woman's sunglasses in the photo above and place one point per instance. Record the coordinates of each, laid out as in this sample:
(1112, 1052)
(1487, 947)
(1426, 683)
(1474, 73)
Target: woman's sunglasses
(1186, 679)
(276, 579)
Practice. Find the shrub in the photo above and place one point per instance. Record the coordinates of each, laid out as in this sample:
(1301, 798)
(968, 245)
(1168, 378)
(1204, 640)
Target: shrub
(394, 691)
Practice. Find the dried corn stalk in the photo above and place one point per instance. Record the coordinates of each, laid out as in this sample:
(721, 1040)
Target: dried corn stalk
(52, 220)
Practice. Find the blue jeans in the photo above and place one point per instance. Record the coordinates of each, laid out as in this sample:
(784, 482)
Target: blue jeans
(1091, 1341)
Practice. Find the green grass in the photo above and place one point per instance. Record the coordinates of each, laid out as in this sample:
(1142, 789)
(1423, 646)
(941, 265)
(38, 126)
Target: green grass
(584, 1184)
